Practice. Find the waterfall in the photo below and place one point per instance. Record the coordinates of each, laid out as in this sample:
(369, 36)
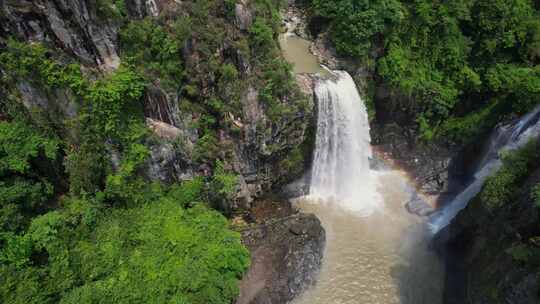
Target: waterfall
(504, 138)
(341, 173)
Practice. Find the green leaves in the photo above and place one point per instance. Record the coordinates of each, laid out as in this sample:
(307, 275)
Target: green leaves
(448, 57)
(261, 35)
(155, 252)
(355, 23)
(33, 62)
(19, 144)
(500, 188)
(154, 51)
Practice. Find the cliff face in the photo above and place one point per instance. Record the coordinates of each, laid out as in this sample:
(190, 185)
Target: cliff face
(73, 26)
(262, 147)
(492, 252)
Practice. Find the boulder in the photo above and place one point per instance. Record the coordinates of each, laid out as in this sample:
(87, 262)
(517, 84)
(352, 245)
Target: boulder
(286, 258)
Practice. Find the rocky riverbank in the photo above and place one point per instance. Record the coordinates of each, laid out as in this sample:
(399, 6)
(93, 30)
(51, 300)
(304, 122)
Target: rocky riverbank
(286, 253)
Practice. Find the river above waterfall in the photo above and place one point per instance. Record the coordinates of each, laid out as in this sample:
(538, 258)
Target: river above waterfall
(296, 51)
(381, 258)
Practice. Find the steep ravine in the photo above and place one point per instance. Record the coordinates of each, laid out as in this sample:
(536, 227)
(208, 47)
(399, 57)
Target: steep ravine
(490, 255)
(365, 260)
(221, 103)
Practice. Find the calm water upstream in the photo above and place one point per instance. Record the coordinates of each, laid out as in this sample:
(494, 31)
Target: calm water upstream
(296, 51)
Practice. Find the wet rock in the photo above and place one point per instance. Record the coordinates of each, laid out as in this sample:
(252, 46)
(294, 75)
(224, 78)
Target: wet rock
(417, 205)
(286, 258)
(297, 188)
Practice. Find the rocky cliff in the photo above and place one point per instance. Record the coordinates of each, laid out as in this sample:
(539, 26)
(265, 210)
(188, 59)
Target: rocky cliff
(260, 131)
(492, 246)
(216, 96)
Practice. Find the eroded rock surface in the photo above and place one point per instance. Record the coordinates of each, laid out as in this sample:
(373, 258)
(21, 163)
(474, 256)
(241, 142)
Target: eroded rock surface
(286, 258)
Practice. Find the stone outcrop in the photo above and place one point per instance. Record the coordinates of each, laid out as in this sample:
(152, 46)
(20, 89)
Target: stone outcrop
(286, 258)
(88, 31)
(73, 26)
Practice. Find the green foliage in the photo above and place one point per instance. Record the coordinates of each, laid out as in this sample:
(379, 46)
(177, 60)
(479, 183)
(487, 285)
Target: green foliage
(111, 9)
(521, 253)
(157, 252)
(355, 23)
(124, 185)
(206, 148)
(188, 192)
(19, 144)
(467, 128)
(111, 99)
(223, 182)
(293, 164)
(261, 35)
(16, 249)
(500, 188)
(449, 58)
(535, 194)
(23, 188)
(33, 62)
(156, 52)
(230, 6)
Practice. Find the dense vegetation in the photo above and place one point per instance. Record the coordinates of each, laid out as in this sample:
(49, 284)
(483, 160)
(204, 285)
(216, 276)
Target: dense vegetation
(501, 241)
(95, 234)
(466, 64)
(79, 222)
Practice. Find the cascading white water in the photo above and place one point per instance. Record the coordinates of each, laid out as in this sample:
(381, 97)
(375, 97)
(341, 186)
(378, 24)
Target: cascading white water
(341, 171)
(504, 138)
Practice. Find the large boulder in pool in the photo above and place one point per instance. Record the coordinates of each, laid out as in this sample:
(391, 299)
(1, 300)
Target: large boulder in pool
(286, 256)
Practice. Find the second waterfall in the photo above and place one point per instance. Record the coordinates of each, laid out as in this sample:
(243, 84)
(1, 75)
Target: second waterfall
(341, 172)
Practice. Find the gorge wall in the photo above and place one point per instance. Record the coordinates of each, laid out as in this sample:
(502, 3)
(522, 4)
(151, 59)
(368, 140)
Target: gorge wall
(218, 98)
(259, 141)
(492, 245)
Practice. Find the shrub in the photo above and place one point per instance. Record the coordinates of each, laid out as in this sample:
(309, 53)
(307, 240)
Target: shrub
(503, 185)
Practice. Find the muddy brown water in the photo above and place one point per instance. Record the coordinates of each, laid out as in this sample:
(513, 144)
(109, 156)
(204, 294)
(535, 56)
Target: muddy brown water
(381, 258)
(296, 51)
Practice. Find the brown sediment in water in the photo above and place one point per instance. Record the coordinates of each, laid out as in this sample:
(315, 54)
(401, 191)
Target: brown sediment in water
(382, 258)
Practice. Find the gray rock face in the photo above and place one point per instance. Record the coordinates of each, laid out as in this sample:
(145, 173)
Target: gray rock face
(243, 16)
(417, 205)
(70, 25)
(167, 163)
(264, 143)
(286, 258)
(89, 33)
(144, 8)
